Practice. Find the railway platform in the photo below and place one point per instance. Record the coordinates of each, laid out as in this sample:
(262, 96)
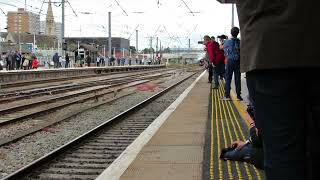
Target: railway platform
(185, 141)
(14, 76)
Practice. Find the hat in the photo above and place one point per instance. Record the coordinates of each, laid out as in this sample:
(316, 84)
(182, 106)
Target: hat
(222, 36)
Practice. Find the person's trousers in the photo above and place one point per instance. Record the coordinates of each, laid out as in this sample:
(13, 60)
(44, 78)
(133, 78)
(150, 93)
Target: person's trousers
(8, 66)
(239, 155)
(233, 67)
(287, 110)
(18, 64)
(216, 72)
(55, 64)
(210, 69)
(67, 64)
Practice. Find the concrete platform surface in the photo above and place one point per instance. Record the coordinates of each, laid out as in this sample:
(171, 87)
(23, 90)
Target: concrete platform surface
(172, 147)
(176, 150)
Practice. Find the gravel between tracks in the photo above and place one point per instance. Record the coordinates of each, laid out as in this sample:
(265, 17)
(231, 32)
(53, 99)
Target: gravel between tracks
(21, 153)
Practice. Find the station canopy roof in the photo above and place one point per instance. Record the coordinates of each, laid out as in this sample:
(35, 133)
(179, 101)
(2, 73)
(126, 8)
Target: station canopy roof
(226, 1)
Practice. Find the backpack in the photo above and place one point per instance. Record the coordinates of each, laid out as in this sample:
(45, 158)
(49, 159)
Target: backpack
(232, 49)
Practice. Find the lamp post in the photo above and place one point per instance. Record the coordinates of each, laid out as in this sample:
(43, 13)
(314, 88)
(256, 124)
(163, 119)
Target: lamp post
(34, 41)
(19, 42)
(232, 14)
(104, 50)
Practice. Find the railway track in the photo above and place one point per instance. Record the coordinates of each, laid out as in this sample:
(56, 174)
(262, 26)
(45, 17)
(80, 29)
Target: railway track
(88, 155)
(99, 73)
(22, 110)
(25, 92)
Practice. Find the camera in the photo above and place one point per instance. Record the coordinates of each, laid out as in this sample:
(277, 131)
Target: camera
(200, 42)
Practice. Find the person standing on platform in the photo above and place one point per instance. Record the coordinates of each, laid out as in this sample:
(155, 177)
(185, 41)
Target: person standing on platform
(25, 63)
(219, 70)
(215, 59)
(102, 61)
(118, 61)
(17, 58)
(209, 53)
(9, 60)
(55, 60)
(62, 62)
(88, 60)
(287, 104)
(232, 53)
(222, 38)
(33, 56)
(67, 65)
(98, 60)
(111, 61)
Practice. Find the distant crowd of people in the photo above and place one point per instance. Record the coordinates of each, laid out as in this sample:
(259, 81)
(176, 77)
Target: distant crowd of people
(15, 61)
(112, 61)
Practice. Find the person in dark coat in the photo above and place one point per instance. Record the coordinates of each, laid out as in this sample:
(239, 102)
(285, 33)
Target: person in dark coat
(279, 49)
(55, 60)
(17, 58)
(67, 61)
(9, 60)
(88, 60)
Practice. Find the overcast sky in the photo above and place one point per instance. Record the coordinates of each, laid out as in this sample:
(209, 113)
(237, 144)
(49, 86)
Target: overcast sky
(172, 19)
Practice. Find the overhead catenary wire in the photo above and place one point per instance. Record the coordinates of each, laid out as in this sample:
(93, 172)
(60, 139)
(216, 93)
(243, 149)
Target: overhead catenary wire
(121, 8)
(8, 4)
(41, 7)
(72, 9)
(134, 31)
(188, 7)
(3, 12)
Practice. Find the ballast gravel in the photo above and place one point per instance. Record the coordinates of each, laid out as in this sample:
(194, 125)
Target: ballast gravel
(19, 154)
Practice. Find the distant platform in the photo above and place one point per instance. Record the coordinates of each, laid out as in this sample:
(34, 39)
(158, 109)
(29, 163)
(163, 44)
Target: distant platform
(7, 77)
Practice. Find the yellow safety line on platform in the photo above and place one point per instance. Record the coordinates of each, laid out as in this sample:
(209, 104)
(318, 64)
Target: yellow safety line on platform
(234, 119)
(218, 138)
(229, 131)
(241, 131)
(240, 108)
(236, 132)
(241, 112)
(212, 138)
(225, 139)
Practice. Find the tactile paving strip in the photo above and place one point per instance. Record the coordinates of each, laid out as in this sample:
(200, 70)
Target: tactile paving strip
(227, 126)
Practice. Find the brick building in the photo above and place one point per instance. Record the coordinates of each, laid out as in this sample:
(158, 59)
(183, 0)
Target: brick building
(22, 21)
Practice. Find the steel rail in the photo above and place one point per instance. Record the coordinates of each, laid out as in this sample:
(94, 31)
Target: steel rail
(50, 156)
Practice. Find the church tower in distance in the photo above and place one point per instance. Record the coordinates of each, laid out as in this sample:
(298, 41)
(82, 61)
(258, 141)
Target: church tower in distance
(50, 25)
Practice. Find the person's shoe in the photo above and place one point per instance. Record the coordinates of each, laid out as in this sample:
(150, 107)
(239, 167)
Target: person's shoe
(226, 98)
(239, 98)
(224, 151)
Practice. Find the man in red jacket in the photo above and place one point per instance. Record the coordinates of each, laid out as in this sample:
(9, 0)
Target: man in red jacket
(215, 59)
